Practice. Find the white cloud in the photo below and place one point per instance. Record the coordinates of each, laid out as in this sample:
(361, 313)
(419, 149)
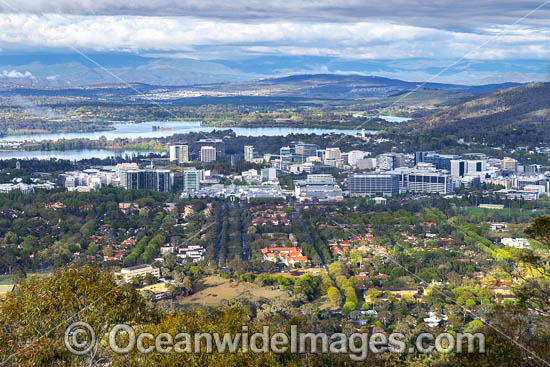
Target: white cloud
(16, 74)
(205, 38)
(448, 14)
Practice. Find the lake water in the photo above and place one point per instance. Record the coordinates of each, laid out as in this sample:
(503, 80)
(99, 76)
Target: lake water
(145, 130)
(70, 155)
(394, 119)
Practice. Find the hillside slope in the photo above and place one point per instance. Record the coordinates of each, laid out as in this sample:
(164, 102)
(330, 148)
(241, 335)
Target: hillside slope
(519, 115)
(332, 86)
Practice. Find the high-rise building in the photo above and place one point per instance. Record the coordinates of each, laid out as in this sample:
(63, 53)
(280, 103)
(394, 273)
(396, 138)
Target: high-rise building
(147, 179)
(285, 151)
(269, 174)
(375, 184)
(386, 162)
(419, 157)
(179, 153)
(354, 156)
(208, 154)
(305, 150)
(248, 153)
(440, 161)
(463, 167)
(191, 180)
(219, 144)
(366, 163)
(509, 164)
(332, 153)
(532, 168)
(399, 160)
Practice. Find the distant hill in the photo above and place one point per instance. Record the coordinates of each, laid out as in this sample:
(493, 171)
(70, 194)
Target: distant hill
(335, 86)
(76, 70)
(314, 86)
(513, 116)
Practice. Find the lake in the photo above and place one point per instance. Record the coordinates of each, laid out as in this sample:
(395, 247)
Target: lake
(145, 130)
(70, 155)
(394, 119)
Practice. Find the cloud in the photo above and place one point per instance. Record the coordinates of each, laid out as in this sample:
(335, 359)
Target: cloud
(208, 39)
(448, 14)
(16, 74)
(436, 31)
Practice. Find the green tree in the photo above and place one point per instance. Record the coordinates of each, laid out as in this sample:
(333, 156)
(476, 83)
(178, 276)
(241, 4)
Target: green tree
(35, 317)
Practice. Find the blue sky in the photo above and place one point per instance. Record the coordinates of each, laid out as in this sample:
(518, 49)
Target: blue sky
(410, 39)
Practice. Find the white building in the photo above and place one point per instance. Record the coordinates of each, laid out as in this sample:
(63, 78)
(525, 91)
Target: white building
(332, 153)
(356, 155)
(516, 242)
(179, 153)
(464, 167)
(208, 154)
(194, 253)
(251, 176)
(366, 163)
(248, 153)
(138, 271)
(386, 162)
(269, 174)
(425, 179)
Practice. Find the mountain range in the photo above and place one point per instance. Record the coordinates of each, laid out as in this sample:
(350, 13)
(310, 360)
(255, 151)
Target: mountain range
(62, 70)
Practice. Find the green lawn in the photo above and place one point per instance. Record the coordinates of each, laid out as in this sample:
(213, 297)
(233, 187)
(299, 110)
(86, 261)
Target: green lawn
(505, 212)
(6, 280)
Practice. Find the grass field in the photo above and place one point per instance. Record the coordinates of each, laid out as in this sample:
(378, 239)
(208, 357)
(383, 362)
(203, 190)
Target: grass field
(159, 287)
(505, 212)
(6, 280)
(211, 291)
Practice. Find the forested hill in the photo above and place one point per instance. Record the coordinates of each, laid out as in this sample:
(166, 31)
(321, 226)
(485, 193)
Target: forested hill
(514, 116)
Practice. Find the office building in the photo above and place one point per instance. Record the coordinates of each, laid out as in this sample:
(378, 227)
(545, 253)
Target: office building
(138, 271)
(332, 153)
(354, 156)
(419, 157)
(304, 150)
(285, 151)
(440, 161)
(424, 180)
(463, 167)
(125, 167)
(218, 144)
(320, 178)
(321, 154)
(269, 174)
(317, 190)
(147, 179)
(386, 162)
(248, 153)
(366, 163)
(179, 153)
(191, 180)
(208, 154)
(509, 164)
(532, 168)
(374, 184)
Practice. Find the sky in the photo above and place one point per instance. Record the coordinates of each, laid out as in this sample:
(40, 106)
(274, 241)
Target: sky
(344, 32)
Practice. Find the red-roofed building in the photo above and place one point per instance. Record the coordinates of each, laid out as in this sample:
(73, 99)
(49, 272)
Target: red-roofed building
(287, 255)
